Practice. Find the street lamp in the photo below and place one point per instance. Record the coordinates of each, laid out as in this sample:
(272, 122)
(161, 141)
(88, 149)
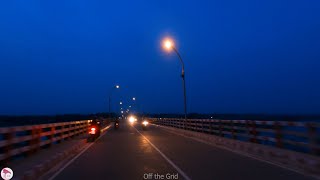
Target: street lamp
(169, 45)
(135, 105)
(114, 87)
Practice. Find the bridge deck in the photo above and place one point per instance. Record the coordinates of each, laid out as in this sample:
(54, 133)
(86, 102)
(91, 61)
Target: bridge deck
(20, 166)
(126, 154)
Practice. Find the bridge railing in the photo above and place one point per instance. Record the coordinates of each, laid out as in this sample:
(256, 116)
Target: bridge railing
(25, 140)
(297, 136)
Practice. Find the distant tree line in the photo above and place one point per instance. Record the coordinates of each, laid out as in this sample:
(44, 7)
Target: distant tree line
(44, 119)
(263, 117)
(6, 121)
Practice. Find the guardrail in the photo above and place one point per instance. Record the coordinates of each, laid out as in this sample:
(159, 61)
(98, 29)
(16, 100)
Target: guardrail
(295, 136)
(25, 140)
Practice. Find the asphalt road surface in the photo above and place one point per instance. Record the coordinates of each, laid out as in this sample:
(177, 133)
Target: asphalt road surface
(130, 153)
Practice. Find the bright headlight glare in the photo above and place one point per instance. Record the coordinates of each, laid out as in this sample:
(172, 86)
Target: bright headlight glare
(145, 123)
(131, 119)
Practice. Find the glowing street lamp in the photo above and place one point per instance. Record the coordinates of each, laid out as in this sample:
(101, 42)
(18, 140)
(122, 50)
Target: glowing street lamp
(114, 87)
(134, 104)
(168, 45)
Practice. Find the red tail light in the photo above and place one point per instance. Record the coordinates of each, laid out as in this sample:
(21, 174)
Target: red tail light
(92, 130)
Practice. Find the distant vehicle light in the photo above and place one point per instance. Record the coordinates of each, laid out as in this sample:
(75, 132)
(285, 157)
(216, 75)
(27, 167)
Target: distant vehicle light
(131, 119)
(145, 123)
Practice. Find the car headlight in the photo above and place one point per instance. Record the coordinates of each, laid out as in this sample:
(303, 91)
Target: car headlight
(131, 119)
(145, 123)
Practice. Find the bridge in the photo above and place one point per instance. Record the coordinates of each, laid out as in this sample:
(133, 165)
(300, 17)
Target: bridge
(167, 149)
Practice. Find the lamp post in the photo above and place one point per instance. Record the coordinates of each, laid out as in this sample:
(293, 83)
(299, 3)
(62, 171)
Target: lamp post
(136, 105)
(114, 87)
(168, 44)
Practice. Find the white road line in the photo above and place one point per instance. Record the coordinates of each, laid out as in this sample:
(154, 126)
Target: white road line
(184, 175)
(237, 152)
(73, 159)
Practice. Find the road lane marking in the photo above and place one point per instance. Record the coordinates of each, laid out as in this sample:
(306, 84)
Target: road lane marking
(183, 174)
(236, 152)
(78, 155)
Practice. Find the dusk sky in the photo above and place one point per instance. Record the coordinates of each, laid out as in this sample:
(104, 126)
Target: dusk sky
(244, 56)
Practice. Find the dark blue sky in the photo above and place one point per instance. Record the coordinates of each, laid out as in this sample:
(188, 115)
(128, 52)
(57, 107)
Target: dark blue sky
(244, 56)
